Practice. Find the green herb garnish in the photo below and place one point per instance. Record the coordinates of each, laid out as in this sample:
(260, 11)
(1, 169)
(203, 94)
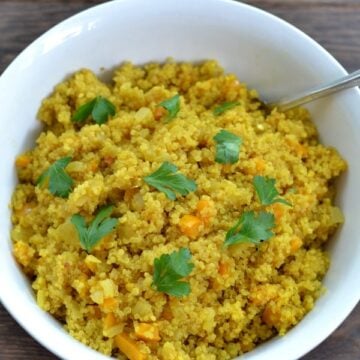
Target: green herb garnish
(60, 183)
(172, 105)
(169, 269)
(266, 191)
(227, 147)
(251, 229)
(167, 180)
(99, 108)
(224, 107)
(102, 225)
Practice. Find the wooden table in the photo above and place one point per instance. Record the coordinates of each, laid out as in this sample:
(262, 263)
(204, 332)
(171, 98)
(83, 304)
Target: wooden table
(333, 23)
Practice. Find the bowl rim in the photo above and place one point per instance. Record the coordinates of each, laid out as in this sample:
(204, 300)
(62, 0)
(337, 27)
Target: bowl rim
(92, 12)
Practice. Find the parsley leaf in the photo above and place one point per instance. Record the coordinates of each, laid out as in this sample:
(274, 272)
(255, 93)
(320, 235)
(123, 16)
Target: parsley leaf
(99, 108)
(224, 107)
(172, 105)
(167, 180)
(101, 226)
(169, 269)
(84, 111)
(60, 183)
(227, 147)
(251, 229)
(266, 191)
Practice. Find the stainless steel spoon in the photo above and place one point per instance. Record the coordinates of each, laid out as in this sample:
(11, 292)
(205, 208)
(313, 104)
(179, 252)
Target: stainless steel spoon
(290, 102)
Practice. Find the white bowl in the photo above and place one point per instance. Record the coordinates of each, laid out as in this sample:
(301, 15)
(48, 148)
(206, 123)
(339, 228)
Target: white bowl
(264, 51)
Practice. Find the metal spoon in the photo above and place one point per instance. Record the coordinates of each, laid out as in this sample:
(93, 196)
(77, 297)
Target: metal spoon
(290, 102)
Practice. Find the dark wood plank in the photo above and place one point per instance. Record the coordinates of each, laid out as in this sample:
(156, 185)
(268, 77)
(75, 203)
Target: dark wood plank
(23, 21)
(333, 23)
(16, 344)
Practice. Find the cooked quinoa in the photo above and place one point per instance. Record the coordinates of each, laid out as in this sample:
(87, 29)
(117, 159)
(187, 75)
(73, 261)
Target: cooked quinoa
(241, 295)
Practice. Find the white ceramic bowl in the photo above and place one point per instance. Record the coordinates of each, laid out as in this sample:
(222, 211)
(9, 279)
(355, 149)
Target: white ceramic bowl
(264, 51)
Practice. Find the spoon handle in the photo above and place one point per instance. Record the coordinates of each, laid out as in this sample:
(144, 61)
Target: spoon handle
(345, 82)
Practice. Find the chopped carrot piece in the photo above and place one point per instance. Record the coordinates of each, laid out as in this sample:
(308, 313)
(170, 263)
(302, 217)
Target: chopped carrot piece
(159, 112)
(202, 205)
(223, 268)
(109, 304)
(295, 244)
(270, 315)
(146, 331)
(190, 225)
(111, 327)
(278, 211)
(22, 161)
(300, 149)
(109, 321)
(259, 165)
(129, 347)
(205, 210)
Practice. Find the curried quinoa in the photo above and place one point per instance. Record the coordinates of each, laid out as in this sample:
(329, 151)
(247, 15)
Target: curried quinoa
(240, 295)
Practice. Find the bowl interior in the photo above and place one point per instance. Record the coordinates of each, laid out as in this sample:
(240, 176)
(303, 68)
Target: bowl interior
(265, 52)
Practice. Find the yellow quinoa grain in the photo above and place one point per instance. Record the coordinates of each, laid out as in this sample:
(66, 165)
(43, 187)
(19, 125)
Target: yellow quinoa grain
(240, 296)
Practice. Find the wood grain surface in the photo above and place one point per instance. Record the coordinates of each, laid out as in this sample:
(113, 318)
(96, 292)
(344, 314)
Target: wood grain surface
(335, 24)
